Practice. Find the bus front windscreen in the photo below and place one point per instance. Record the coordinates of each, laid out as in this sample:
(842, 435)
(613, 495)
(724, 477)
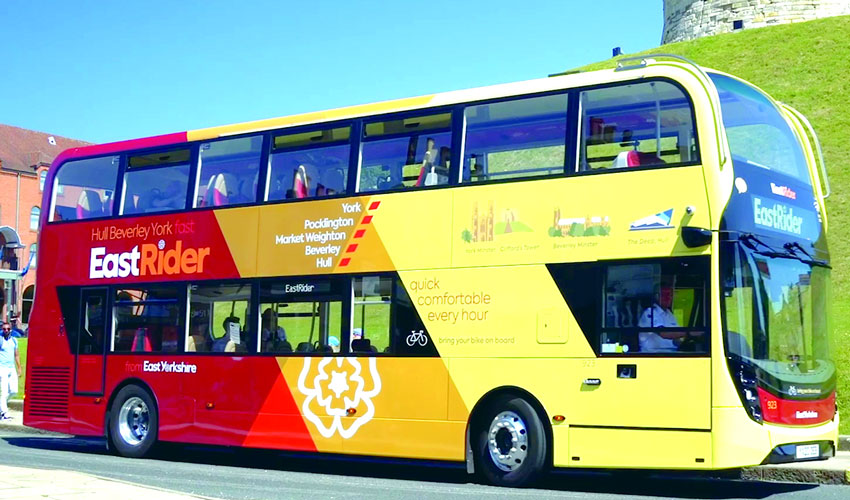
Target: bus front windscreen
(777, 335)
(758, 134)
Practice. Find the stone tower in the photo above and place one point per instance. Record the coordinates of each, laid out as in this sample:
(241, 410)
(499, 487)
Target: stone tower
(689, 19)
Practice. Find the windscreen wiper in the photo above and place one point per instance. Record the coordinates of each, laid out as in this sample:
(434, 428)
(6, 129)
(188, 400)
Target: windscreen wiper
(754, 242)
(791, 246)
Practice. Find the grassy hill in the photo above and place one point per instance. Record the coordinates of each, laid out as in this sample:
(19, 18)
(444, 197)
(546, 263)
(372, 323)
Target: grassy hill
(804, 65)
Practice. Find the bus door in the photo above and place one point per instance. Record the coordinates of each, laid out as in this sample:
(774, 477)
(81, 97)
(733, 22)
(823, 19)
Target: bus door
(649, 386)
(90, 361)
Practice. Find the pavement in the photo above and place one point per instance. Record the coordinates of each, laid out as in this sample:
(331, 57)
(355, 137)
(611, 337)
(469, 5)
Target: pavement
(20, 482)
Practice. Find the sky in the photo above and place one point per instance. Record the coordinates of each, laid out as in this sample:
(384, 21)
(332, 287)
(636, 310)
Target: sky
(103, 71)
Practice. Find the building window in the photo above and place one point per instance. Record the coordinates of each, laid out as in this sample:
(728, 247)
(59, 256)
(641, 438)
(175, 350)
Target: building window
(41, 178)
(33, 255)
(26, 303)
(35, 213)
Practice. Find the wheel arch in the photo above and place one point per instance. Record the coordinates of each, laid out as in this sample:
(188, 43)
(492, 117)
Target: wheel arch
(487, 399)
(124, 383)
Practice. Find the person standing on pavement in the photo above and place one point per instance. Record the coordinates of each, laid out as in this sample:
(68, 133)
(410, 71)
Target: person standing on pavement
(10, 369)
(16, 330)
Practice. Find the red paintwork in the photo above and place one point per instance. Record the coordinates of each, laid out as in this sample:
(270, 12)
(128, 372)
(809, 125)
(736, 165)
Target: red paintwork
(791, 412)
(250, 401)
(192, 229)
(89, 373)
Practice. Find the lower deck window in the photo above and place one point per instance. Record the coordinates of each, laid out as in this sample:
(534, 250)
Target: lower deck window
(303, 316)
(650, 306)
(220, 318)
(146, 320)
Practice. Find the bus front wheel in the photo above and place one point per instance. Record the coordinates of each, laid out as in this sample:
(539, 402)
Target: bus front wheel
(133, 422)
(510, 443)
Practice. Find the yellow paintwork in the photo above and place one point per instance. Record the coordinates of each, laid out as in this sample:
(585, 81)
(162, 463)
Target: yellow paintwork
(240, 229)
(410, 403)
(639, 449)
(495, 314)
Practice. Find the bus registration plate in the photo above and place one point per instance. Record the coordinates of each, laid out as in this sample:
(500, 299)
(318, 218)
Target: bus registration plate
(808, 451)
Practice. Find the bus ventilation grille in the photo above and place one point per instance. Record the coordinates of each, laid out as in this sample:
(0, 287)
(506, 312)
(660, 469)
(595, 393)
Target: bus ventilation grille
(47, 391)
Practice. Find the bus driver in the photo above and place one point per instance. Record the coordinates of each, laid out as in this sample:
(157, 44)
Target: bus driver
(660, 315)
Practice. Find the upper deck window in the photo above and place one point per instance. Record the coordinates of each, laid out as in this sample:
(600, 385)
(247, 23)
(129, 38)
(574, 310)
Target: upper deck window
(519, 138)
(156, 182)
(756, 130)
(309, 164)
(635, 125)
(228, 172)
(406, 152)
(84, 189)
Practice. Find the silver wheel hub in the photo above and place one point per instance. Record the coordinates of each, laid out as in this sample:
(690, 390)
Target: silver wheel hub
(507, 441)
(133, 421)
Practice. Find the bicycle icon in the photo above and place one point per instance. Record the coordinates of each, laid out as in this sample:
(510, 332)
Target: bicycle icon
(417, 336)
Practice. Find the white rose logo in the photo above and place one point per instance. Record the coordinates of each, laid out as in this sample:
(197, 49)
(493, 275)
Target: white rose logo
(338, 385)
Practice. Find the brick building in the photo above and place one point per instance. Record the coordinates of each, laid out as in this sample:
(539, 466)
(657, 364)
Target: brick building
(25, 156)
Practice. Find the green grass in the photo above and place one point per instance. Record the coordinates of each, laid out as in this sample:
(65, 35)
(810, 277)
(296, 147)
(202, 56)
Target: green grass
(805, 66)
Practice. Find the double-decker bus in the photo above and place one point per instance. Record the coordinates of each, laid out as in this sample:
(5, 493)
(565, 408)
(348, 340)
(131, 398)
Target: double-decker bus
(616, 269)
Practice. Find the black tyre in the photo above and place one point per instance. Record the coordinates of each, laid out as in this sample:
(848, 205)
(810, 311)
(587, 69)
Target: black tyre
(510, 445)
(133, 422)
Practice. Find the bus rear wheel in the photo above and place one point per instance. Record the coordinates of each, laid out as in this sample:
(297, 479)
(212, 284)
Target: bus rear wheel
(510, 443)
(133, 422)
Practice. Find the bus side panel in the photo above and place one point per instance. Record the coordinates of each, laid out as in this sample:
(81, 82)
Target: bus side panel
(632, 448)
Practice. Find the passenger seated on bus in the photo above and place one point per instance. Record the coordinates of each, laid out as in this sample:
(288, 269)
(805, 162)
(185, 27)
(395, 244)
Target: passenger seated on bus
(89, 205)
(198, 337)
(225, 190)
(660, 315)
(232, 335)
(219, 344)
(428, 175)
(300, 183)
(635, 158)
(273, 335)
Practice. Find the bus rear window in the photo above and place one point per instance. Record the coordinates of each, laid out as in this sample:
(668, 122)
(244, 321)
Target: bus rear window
(757, 132)
(84, 189)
